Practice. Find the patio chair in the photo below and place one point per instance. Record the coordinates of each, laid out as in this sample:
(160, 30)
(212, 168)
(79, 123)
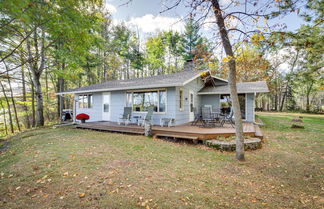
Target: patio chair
(216, 109)
(126, 116)
(228, 118)
(197, 116)
(147, 118)
(207, 118)
(216, 112)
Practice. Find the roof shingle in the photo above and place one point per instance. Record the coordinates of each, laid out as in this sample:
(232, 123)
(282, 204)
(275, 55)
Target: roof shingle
(244, 87)
(175, 79)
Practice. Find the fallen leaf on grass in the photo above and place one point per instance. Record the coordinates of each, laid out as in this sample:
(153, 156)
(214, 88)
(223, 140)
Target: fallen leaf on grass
(35, 167)
(17, 188)
(114, 191)
(82, 195)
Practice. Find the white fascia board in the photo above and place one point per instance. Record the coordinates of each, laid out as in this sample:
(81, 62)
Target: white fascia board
(118, 89)
(247, 92)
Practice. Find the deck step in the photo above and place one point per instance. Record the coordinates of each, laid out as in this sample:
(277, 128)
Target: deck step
(177, 136)
(113, 129)
(258, 132)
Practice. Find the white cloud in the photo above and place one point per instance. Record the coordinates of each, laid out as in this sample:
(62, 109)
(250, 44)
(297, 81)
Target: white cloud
(111, 8)
(150, 23)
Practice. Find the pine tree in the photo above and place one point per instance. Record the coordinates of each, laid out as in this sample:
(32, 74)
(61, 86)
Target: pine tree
(191, 39)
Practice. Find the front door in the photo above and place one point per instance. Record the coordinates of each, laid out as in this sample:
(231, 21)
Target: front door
(191, 106)
(106, 106)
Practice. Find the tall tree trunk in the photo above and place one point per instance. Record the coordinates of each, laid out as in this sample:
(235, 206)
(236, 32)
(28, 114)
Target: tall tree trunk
(47, 96)
(33, 103)
(24, 97)
(12, 97)
(284, 98)
(105, 68)
(4, 117)
(13, 103)
(36, 72)
(39, 100)
(308, 91)
(9, 109)
(231, 79)
(288, 81)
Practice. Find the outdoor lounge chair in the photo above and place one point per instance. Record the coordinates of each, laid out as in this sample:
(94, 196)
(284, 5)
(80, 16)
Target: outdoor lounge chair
(197, 116)
(126, 117)
(147, 118)
(228, 118)
(207, 118)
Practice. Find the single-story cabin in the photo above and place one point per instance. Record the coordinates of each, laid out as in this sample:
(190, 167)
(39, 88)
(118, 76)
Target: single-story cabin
(173, 96)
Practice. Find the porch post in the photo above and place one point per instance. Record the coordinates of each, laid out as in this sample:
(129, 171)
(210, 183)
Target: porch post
(74, 108)
(61, 104)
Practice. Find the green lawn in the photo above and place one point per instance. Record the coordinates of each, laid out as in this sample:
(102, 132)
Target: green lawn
(51, 168)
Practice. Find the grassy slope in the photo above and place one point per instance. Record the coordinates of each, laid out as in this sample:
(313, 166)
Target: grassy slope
(123, 171)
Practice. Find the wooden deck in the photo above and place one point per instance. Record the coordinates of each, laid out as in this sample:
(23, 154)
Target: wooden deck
(185, 131)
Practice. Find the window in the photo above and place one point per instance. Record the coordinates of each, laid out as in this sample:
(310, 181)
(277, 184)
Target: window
(141, 100)
(106, 107)
(85, 101)
(181, 99)
(191, 97)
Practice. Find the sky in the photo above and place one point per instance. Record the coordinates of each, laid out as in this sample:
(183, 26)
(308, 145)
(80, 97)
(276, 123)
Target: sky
(144, 16)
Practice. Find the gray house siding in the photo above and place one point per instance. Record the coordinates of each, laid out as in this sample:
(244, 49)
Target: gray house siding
(214, 100)
(194, 86)
(249, 107)
(118, 102)
(95, 112)
(211, 99)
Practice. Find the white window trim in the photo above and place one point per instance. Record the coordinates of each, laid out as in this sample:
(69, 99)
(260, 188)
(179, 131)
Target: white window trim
(193, 100)
(86, 108)
(148, 90)
(181, 108)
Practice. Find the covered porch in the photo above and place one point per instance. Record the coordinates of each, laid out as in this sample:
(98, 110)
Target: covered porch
(184, 131)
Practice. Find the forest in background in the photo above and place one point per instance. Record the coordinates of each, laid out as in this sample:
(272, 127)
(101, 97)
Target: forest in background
(52, 46)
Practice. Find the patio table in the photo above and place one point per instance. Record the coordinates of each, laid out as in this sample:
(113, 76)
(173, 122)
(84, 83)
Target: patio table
(136, 118)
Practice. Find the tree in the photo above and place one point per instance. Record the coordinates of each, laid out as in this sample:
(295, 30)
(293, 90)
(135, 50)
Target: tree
(40, 22)
(155, 50)
(173, 41)
(247, 14)
(191, 39)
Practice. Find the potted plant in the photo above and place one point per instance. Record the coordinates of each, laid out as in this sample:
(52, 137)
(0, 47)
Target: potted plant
(83, 117)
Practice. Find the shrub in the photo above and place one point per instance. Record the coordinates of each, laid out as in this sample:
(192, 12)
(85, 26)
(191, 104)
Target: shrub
(82, 117)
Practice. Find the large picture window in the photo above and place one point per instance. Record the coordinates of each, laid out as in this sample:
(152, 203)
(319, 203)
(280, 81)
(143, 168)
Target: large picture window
(141, 100)
(85, 101)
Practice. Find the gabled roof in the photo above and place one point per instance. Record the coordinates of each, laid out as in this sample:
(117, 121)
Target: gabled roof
(169, 80)
(244, 87)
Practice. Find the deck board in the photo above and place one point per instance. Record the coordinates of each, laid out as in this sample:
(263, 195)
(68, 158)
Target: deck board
(181, 131)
